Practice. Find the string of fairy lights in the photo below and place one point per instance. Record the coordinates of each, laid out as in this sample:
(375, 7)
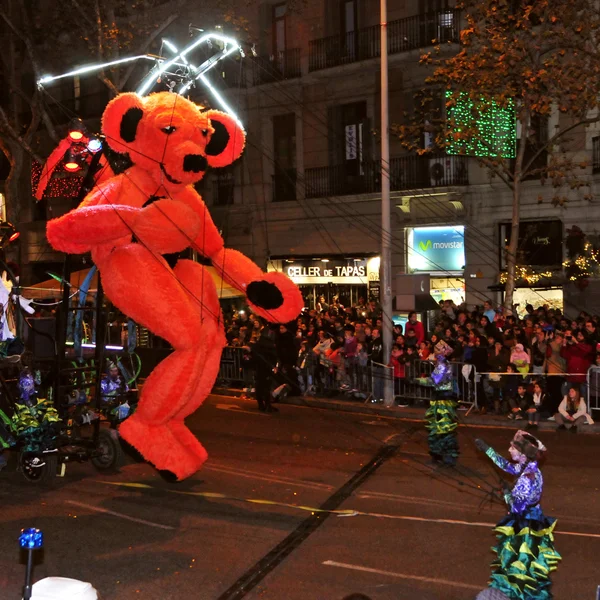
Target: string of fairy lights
(495, 124)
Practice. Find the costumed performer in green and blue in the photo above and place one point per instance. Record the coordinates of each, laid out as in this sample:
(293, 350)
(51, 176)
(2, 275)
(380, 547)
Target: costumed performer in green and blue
(525, 554)
(441, 414)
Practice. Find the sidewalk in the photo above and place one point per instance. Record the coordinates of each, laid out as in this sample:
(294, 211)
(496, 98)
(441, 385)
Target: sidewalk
(474, 419)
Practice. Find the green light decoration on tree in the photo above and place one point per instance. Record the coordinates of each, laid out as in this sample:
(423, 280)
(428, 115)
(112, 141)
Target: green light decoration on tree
(481, 128)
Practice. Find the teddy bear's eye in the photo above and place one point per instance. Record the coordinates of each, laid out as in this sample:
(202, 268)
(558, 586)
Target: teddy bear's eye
(169, 130)
(205, 132)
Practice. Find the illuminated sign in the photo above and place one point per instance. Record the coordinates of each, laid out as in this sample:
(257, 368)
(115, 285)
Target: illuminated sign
(433, 249)
(331, 268)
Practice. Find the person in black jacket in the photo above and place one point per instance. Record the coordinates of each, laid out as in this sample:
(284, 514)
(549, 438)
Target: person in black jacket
(287, 354)
(264, 358)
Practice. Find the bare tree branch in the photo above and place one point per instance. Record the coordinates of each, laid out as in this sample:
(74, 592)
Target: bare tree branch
(144, 47)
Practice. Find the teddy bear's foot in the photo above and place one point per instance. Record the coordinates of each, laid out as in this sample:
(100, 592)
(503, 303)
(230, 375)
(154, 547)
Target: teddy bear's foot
(187, 439)
(159, 446)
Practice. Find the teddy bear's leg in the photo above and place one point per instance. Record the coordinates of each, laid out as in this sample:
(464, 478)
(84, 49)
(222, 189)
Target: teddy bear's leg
(198, 282)
(143, 286)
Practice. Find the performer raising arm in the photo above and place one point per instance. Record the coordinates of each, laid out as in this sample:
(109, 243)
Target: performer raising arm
(525, 550)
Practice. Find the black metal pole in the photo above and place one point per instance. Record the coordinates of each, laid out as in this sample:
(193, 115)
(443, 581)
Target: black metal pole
(27, 588)
(99, 353)
(62, 315)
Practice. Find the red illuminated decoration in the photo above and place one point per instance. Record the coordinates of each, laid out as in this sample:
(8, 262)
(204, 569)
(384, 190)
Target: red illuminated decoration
(8, 233)
(171, 143)
(72, 166)
(77, 130)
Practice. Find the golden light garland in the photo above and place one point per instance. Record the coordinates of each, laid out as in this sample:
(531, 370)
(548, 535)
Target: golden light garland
(529, 276)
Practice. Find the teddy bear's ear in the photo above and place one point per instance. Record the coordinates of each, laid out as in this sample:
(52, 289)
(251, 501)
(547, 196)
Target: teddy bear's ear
(227, 141)
(120, 121)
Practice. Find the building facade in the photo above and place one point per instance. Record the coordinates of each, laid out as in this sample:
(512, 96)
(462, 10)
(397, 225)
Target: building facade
(306, 196)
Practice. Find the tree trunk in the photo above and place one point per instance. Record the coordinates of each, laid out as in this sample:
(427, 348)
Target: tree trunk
(511, 257)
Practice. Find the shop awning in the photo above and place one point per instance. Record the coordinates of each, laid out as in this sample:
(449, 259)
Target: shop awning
(51, 288)
(425, 302)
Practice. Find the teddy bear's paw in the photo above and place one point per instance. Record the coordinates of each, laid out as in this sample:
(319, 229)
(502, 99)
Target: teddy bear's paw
(275, 297)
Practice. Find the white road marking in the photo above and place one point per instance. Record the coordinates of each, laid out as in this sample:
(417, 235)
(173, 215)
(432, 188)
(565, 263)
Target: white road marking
(444, 582)
(379, 423)
(239, 409)
(411, 500)
(116, 514)
(360, 513)
(254, 475)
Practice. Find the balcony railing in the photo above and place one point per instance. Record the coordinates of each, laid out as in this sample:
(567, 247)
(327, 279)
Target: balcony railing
(284, 65)
(438, 27)
(406, 173)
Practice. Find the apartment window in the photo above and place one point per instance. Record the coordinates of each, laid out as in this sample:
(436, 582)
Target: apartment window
(279, 26)
(596, 155)
(347, 137)
(223, 187)
(284, 145)
(348, 16)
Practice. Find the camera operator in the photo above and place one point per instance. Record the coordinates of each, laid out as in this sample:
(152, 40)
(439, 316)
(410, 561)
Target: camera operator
(579, 355)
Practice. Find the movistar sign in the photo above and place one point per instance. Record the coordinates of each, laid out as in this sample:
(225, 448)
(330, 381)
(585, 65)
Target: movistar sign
(439, 249)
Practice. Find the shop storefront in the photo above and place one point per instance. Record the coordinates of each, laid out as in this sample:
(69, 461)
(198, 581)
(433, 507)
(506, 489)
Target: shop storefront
(440, 252)
(347, 279)
(540, 253)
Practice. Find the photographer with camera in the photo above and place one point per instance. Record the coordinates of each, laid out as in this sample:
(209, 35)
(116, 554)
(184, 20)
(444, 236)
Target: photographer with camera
(579, 355)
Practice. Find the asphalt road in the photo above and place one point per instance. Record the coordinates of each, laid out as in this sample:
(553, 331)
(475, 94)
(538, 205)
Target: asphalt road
(404, 530)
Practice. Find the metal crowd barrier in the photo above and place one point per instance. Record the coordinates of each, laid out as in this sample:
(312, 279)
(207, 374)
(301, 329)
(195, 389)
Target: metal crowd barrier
(464, 378)
(318, 376)
(593, 388)
(233, 369)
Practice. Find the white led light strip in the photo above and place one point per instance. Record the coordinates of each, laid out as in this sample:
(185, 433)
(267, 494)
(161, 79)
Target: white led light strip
(180, 59)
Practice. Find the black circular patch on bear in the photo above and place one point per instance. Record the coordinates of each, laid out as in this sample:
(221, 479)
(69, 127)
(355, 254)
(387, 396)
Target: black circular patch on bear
(219, 139)
(129, 124)
(264, 294)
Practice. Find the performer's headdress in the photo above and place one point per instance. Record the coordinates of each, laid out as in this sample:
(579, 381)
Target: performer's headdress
(442, 349)
(528, 444)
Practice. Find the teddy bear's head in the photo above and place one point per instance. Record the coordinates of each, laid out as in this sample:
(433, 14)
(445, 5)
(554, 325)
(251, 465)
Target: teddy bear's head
(171, 137)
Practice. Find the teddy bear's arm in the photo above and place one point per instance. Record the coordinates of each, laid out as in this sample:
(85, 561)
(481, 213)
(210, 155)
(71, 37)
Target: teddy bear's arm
(207, 241)
(88, 226)
(167, 226)
(273, 296)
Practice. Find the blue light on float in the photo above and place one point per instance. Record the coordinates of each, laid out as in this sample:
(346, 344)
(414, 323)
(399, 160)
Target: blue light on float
(31, 539)
(94, 145)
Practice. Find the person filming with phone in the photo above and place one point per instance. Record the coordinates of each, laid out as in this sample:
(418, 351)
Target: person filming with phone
(579, 354)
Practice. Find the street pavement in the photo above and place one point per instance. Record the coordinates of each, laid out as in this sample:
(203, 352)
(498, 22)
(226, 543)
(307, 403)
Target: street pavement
(246, 525)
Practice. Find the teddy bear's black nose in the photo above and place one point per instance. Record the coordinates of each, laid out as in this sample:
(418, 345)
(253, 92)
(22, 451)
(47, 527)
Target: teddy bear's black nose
(195, 163)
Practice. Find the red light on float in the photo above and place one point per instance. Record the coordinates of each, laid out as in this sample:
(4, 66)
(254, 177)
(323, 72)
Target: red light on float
(14, 236)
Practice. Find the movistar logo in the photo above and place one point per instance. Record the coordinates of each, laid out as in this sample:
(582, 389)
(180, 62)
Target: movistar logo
(428, 245)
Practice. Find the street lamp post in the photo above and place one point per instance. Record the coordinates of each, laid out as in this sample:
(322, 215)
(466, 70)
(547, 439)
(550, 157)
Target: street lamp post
(386, 232)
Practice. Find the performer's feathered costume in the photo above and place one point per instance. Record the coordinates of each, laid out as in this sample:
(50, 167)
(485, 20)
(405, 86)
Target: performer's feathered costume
(525, 550)
(441, 415)
(136, 224)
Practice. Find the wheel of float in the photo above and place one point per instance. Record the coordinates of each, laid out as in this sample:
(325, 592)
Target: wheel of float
(38, 468)
(109, 453)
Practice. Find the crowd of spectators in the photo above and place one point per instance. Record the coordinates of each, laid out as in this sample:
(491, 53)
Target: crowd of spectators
(525, 365)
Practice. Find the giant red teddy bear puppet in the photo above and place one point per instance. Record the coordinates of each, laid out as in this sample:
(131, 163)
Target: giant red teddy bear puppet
(133, 223)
